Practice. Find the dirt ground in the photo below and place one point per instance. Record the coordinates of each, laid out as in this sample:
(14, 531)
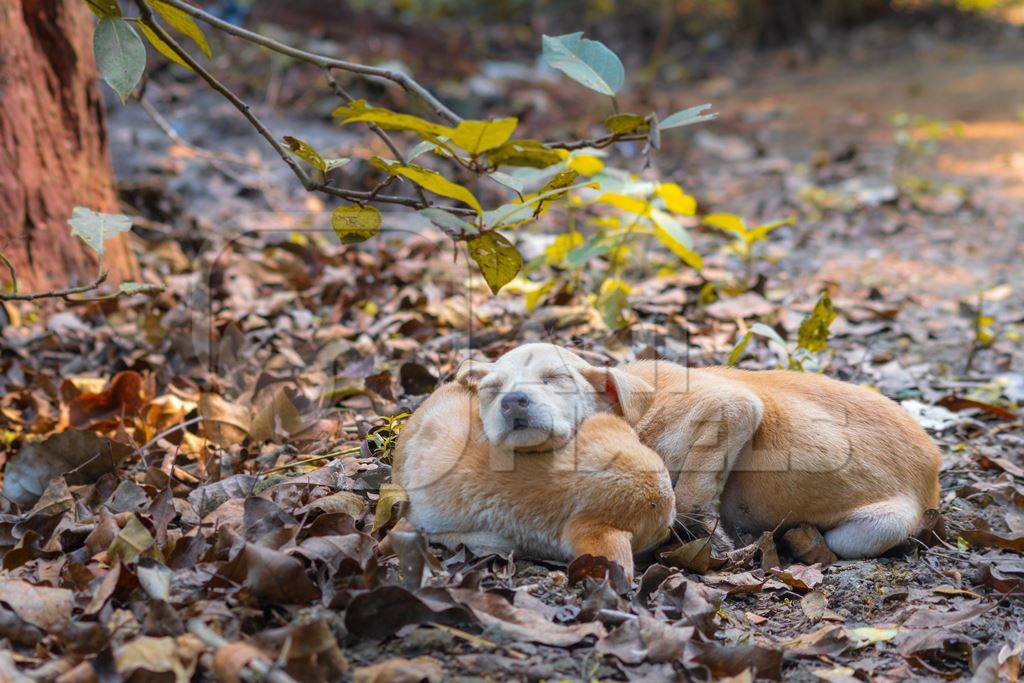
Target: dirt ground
(910, 226)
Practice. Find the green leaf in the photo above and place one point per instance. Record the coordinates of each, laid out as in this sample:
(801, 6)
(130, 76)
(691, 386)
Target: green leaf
(479, 136)
(620, 124)
(449, 222)
(509, 181)
(499, 260)
(530, 153)
(675, 238)
(514, 213)
(432, 181)
(587, 62)
(813, 332)
(162, 47)
(94, 228)
(354, 224)
(120, 55)
(769, 333)
(687, 117)
(104, 8)
(305, 151)
(594, 247)
(182, 21)
(613, 302)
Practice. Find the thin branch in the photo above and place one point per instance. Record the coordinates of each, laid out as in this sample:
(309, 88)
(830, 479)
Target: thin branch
(596, 143)
(10, 271)
(377, 130)
(307, 182)
(260, 667)
(405, 81)
(211, 80)
(57, 293)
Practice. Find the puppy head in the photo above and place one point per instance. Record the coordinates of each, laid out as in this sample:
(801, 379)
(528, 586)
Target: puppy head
(536, 396)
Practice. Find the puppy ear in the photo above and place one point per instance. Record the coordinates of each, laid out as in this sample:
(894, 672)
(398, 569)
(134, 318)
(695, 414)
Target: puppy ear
(631, 395)
(471, 372)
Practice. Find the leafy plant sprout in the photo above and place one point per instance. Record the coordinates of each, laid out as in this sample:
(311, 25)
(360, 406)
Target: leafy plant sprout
(812, 338)
(745, 238)
(539, 174)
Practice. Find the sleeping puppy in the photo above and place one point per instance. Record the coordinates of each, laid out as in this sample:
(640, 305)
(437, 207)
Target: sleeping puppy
(776, 448)
(765, 450)
(525, 455)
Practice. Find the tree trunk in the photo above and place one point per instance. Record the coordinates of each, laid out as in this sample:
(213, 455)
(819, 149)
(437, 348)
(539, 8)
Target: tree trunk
(53, 146)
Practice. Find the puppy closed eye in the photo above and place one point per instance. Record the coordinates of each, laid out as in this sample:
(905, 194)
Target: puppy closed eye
(489, 388)
(556, 378)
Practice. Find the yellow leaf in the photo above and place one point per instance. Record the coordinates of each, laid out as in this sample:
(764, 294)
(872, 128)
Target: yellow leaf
(675, 238)
(359, 111)
(355, 223)
(499, 260)
(727, 222)
(480, 136)
(390, 495)
(183, 22)
(533, 292)
(613, 284)
(619, 124)
(625, 203)
(560, 248)
(437, 183)
(677, 201)
(132, 541)
(866, 635)
(528, 153)
(307, 153)
(162, 47)
(760, 232)
(586, 164)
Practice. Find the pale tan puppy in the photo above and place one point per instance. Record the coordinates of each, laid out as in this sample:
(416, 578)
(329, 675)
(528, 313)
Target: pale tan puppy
(778, 448)
(514, 456)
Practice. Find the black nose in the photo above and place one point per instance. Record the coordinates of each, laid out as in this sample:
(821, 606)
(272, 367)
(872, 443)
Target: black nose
(515, 403)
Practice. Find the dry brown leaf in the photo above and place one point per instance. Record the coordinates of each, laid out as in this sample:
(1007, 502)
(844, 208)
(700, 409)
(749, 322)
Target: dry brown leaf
(496, 612)
(82, 457)
(229, 660)
(47, 608)
(400, 670)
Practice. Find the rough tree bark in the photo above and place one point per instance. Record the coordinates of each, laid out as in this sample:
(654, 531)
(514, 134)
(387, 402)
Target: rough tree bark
(53, 145)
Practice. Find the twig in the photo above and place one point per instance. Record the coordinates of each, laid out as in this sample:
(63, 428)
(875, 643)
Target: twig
(479, 642)
(296, 463)
(377, 130)
(146, 16)
(307, 182)
(596, 143)
(169, 430)
(10, 270)
(164, 125)
(54, 293)
(406, 82)
(259, 666)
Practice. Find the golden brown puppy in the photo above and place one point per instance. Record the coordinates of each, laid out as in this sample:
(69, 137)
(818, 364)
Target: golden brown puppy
(778, 448)
(765, 449)
(523, 455)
